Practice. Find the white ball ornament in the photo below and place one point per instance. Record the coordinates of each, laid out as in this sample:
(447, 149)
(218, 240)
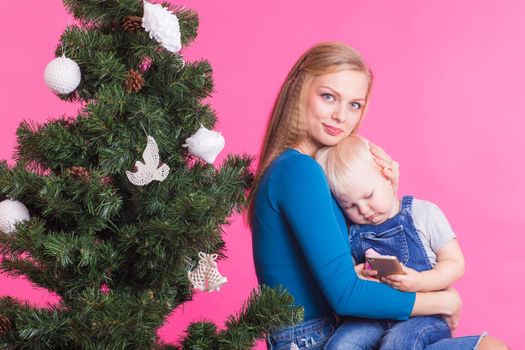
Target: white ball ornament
(205, 144)
(62, 75)
(11, 213)
(162, 25)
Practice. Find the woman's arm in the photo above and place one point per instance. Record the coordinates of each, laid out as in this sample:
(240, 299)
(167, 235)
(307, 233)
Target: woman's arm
(446, 303)
(301, 194)
(449, 267)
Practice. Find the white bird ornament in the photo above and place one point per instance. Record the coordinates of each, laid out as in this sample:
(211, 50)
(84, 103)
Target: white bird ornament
(149, 170)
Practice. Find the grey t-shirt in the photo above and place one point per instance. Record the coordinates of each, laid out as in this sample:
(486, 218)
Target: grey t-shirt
(432, 226)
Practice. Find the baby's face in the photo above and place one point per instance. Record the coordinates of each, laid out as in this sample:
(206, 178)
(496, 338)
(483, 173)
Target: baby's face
(370, 201)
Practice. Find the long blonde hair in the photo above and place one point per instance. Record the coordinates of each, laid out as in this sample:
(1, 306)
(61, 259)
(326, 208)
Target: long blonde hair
(287, 126)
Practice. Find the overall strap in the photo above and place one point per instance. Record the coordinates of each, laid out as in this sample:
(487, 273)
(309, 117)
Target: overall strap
(406, 203)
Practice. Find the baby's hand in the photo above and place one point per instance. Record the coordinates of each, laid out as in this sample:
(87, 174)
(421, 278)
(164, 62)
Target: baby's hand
(411, 281)
(364, 273)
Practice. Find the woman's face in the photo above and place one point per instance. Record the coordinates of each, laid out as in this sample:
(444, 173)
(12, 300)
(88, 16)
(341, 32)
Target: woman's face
(334, 106)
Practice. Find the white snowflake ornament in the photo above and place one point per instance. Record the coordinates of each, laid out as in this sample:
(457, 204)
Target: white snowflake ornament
(62, 75)
(11, 213)
(206, 276)
(205, 144)
(162, 25)
(149, 170)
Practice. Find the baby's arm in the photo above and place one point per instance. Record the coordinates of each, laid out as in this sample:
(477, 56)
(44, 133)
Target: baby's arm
(449, 268)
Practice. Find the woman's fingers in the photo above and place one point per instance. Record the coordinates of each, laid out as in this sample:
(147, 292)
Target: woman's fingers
(390, 167)
(379, 153)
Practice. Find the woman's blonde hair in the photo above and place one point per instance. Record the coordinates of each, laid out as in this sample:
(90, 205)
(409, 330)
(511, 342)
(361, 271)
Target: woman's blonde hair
(287, 126)
(347, 163)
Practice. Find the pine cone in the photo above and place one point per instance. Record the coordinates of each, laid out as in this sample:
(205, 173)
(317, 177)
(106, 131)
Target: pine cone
(5, 325)
(132, 23)
(134, 81)
(79, 172)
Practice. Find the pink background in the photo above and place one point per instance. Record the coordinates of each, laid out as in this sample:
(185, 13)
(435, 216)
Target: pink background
(447, 104)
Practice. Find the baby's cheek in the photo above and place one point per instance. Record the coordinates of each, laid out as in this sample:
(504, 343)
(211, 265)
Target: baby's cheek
(354, 216)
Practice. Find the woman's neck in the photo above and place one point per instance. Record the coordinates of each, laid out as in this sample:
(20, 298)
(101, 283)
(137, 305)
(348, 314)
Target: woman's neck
(307, 148)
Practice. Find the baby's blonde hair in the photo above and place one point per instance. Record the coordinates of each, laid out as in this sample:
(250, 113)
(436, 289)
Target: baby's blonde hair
(344, 163)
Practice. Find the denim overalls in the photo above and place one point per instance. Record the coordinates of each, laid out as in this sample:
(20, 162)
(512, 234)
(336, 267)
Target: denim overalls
(396, 236)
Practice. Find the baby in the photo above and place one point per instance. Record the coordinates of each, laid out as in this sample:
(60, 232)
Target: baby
(415, 231)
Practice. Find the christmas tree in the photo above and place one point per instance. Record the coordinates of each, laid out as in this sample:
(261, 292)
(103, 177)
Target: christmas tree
(120, 210)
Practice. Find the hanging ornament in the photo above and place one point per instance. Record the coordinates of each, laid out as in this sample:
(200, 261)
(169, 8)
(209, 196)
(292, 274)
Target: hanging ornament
(62, 75)
(215, 279)
(206, 276)
(205, 144)
(162, 25)
(11, 213)
(149, 170)
(145, 64)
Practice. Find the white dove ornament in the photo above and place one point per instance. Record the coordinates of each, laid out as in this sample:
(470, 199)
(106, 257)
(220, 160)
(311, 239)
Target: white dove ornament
(205, 144)
(149, 170)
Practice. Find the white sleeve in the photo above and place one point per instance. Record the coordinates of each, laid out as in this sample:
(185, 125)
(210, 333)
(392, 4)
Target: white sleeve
(431, 224)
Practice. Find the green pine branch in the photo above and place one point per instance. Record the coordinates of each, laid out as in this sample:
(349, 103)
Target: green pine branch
(265, 310)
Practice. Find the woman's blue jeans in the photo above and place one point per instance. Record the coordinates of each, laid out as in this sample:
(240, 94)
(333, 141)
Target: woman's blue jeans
(312, 335)
(324, 333)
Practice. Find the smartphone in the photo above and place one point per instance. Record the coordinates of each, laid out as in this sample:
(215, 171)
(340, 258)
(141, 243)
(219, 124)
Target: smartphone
(385, 265)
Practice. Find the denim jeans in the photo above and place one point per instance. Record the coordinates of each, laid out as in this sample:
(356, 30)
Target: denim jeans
(324, 334)
(312, 335)
(459, 343)
(414, 334)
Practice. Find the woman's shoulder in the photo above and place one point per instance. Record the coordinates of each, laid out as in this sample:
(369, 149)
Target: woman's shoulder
(291, 162)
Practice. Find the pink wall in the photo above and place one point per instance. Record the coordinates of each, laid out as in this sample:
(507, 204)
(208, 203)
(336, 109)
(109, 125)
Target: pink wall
(447, 104)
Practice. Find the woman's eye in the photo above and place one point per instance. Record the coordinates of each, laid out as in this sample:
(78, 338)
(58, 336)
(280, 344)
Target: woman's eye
(327, 97)
(355, 105)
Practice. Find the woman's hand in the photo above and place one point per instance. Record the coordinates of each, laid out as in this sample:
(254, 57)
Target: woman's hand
(446, 303)
(452, 318)
(364, 273)
(411, 281)
(390, 166)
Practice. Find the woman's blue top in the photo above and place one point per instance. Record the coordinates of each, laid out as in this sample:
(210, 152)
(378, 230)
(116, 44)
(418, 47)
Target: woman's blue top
(300, 242)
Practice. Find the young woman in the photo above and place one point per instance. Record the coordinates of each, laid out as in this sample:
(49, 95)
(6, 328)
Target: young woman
(299, 233)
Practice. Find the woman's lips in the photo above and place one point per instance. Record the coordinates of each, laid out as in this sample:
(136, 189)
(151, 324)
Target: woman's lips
(331, 130)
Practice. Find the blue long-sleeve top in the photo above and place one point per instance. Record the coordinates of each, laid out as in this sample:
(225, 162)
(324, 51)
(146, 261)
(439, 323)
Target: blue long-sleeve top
(300, 242)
